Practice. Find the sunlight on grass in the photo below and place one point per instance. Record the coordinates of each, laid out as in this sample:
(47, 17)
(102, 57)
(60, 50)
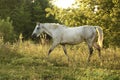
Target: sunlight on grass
(29, 61)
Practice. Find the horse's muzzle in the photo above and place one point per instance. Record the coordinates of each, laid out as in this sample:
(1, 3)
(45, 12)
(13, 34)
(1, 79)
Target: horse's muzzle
(34, 36)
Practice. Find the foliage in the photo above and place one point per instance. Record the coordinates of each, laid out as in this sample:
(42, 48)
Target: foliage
(39, 13)
(107, 16)
(24, 14)
(29, 61)
(21, 17)
(6, 30)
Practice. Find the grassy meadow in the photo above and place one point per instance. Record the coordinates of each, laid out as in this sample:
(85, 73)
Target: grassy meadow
(29, 61)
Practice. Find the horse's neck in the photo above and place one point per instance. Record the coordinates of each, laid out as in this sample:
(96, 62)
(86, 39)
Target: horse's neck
(50, 29)
(47, 30)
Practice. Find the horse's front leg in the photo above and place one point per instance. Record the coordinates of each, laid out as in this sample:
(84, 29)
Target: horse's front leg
(65, 51)
(52, 48)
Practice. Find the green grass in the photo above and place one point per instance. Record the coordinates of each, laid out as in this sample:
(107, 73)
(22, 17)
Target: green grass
(28, 61)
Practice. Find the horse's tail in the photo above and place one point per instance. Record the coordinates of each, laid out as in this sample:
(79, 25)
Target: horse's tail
(100, 36)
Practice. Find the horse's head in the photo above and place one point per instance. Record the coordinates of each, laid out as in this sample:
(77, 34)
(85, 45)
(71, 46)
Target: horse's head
(37, 31)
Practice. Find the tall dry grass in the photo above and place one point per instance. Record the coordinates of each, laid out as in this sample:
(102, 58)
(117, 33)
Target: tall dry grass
(78, 54)
(29, 61)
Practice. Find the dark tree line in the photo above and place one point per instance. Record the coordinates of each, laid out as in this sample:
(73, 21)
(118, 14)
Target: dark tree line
(24, 14)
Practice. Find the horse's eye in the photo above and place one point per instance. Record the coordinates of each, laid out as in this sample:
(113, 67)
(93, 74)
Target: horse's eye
(38, 28)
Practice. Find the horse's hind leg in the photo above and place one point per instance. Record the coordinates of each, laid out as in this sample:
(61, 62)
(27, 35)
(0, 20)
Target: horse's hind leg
(96, 46)
(90, 52)
(90, 44)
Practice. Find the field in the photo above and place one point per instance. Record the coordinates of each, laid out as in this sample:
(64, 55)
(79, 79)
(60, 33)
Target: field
(29, 61)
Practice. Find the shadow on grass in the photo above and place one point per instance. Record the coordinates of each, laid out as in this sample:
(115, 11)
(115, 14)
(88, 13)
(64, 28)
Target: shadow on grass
(7, 56)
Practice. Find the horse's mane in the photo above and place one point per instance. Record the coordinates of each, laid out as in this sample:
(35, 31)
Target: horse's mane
(54, 25)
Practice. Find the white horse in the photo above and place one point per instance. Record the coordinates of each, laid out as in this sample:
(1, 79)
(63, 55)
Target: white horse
(64, 35)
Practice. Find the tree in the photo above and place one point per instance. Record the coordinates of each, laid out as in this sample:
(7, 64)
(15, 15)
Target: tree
(106, 16)
(24, 14)
(7, 30)
(22, 18)
(7, 7)
(39, 13)
(18, 11)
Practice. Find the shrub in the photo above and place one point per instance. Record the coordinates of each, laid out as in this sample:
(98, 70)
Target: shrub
(6, 30)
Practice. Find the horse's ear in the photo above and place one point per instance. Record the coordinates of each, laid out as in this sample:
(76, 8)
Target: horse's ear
(38, 23)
